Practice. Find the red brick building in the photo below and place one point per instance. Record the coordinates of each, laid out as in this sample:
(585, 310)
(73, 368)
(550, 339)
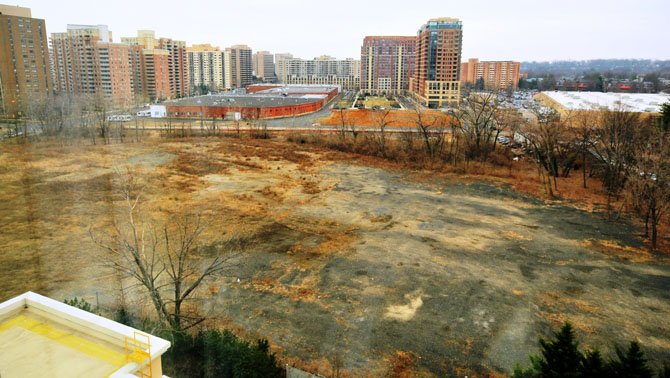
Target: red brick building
(493, 74)
(387, 63)
(260, 102)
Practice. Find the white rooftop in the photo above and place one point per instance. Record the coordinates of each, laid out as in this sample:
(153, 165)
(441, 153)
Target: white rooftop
(41, 337)
(634, 102)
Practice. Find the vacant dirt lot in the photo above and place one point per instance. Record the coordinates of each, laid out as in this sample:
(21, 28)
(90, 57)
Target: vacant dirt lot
(344, 262)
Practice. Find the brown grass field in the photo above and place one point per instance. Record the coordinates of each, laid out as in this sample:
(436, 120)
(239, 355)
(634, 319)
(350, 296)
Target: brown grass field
(381, 268)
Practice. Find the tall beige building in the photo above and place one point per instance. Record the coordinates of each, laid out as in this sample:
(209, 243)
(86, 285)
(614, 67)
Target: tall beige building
(492, 74)
(205, 66)
(145, 38)
(237, 67)
(264, 66)
(25, 70)
(323, 70)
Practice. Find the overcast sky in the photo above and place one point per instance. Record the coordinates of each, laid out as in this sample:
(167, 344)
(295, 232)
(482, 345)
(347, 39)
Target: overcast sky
(505, 29)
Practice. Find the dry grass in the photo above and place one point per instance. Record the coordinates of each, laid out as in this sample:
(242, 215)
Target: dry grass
(366, 117)
(614, 249)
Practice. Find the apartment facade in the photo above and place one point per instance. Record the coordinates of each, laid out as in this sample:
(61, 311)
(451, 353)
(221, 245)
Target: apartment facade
(177, 66)
(163, 70)
(436, 81)
(156, 74)
(205, 66)
(264, 66)
(387, 64)
(86, 62)
(113, 61)
(238, 67)
(25, 70)
(324, 70)
(495, 75)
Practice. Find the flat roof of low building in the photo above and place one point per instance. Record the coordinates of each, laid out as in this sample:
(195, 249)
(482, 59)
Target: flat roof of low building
(41, 337)
(634, 102)
(256, 100)
(296, 88)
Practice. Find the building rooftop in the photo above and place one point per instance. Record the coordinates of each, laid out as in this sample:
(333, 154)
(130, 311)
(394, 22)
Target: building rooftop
(297, 89)
(16, 11)
(634, 102)
(275, 95)
(257, 100)
(41, 337)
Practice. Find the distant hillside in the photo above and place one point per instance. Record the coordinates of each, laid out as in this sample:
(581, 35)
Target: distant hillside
(614, 66)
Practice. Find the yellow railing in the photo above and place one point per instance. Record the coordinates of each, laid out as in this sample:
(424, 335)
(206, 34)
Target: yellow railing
(138, 349)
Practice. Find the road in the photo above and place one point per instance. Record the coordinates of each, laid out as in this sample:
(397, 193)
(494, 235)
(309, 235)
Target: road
(307, 119)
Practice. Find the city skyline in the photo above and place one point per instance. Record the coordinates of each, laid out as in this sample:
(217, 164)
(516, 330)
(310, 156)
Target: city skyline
(534, 32)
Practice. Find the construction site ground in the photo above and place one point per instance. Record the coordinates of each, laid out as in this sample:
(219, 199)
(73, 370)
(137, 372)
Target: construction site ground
(346, 264)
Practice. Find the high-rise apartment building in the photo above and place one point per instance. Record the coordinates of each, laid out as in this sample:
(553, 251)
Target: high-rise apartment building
(25, 70)
(160, 57)
(238, 67)
(86, 62)
(156, 74)
(282, 56)
(115, 70)
(264, 66)
(491, 74)
(177, 66)
(436, 81)
(324, 70)
(205, 66)
(387, 63)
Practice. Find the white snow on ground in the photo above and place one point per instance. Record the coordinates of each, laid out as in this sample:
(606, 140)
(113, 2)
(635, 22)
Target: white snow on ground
(635, 102)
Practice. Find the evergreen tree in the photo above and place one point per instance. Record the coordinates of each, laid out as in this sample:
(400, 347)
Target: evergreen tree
(664, 119)
(593, 365)
(664, 372)
(560, 357)
(630, 364)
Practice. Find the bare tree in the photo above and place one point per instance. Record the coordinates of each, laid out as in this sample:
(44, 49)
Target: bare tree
(382, 118)
(649, 184)
(584, 127)
(426, 125)
(163, 258)
(477, 121)
(100, 109)
(614, 148)
(547, 139)
(343, 124)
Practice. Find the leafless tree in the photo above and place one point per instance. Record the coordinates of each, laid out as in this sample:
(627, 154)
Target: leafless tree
(428, 126)
(548, 141)
(614, 148)
(343, 124)
(583, 129)
(477, 122)
(100, 109)
(383, 119)
(649, 183)
(164, 258)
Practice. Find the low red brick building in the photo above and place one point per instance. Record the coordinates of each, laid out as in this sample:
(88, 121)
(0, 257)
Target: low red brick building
(259, 102)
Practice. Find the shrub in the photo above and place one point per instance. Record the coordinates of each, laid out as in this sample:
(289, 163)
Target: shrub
(560, 357)
(214, 353)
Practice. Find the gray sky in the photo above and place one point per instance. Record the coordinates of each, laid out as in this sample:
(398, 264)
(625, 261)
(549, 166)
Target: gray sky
(504, 29)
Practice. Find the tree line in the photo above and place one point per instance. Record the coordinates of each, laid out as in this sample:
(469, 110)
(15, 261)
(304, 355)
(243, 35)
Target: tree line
(628, 152)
